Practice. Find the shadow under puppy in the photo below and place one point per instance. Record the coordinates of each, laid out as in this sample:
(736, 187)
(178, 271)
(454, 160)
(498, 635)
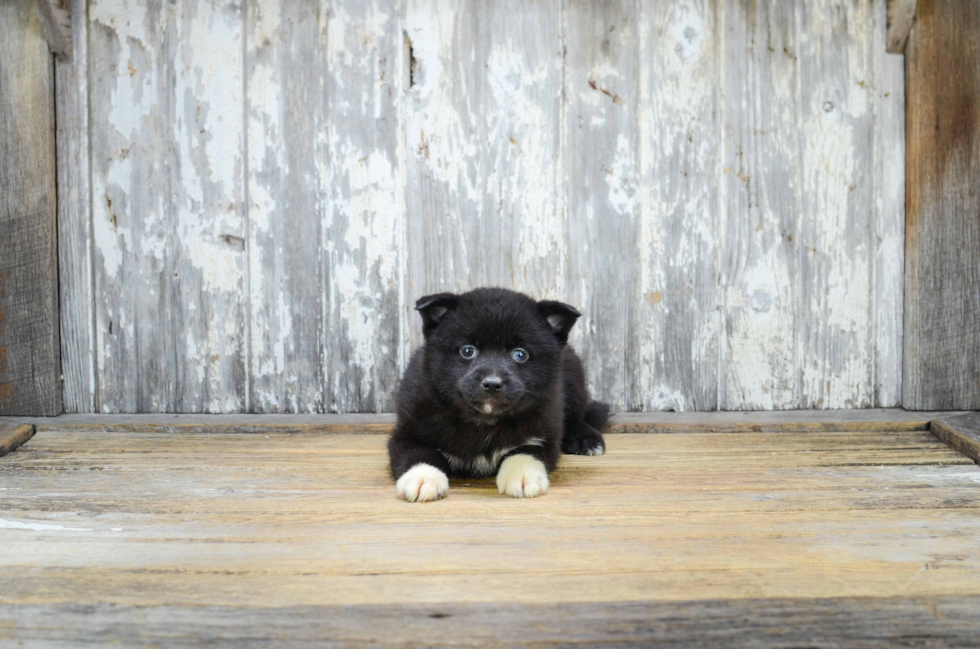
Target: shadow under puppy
(496, 389)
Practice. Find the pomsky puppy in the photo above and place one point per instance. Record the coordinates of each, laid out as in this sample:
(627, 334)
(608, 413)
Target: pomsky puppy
(495, 389)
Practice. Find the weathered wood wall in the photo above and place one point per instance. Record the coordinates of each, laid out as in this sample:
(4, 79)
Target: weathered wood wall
(718, 186)
(30, 365)
(942, 315)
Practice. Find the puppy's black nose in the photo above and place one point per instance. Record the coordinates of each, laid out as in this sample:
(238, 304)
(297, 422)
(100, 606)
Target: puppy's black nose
(492, 384)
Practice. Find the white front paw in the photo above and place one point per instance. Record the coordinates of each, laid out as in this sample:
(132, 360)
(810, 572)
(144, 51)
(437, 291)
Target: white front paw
(522, 476)
(421, 483)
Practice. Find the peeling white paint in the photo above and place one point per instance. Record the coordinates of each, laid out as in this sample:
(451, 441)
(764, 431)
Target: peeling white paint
(458, 177)
(134, 94)
(621, 179)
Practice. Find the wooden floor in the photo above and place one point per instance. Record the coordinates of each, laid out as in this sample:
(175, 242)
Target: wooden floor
(784, 538)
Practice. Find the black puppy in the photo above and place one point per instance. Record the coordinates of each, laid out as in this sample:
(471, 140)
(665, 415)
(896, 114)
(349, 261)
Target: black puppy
(494, 390)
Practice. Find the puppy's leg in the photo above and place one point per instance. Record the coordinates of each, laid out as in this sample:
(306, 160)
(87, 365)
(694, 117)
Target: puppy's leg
(580, 438)
(523, 474)
(584, 418)
(421, 473)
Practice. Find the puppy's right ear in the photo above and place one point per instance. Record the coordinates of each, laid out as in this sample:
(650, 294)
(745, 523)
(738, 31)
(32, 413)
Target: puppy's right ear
(433, 308)
(560, 318)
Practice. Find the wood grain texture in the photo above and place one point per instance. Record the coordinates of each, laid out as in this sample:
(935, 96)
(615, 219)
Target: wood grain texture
(277, 182)
(56, 24)
(672, 359)
(761, 207)
(13, 435)
(75, 238)
(901, 15)
(205, 50)
(359, 146)
(942, 268)
(286, 120)
(167, 205)
(784, 421)
(30, 363)
(232, 525)
(960, 433)
(131, 116)
(836, 239)
(776, 622)
(889, 161)
(482, 149)
(601, 179)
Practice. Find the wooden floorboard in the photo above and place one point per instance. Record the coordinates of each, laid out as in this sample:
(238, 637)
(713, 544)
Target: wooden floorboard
(806, 622)
(755, 539)
(961, 433)
(632, 422)
(13, 434)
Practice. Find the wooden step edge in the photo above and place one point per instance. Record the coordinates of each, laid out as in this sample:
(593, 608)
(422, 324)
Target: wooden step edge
(961, 433)
(891, 419)
(13, 434)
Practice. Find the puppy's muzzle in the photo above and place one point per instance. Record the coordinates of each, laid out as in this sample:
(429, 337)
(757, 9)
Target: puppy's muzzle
(492, 384)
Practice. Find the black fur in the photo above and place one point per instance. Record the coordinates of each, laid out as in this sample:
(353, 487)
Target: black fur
(441, 398)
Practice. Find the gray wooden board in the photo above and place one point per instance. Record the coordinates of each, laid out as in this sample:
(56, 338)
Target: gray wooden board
(961, 433)
(601, 176)
(204, 77)
(718, 187)
(942, 266)
(285, 111)
(672, 356)
(830, 622)
(130, 112)
(760, 207)
(835, 242)
(482, 146)
(889, 154)
(167, 220)
(74, 223)
(30, 359)
(654, 422)
(362, 205)
(13, 435)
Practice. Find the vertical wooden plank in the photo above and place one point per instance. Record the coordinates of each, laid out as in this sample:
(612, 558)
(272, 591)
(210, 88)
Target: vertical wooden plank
(601, 186)
(206, 198)
(889, 91)
(482, 146)
(837, 237)
(131, 114)
(760, 206)
(75, 222)
(169, 237)
(942, 266)
(442, 153)
(674, 357)
(520, 94)
(364, 211)
(285, 121)
(30, 365)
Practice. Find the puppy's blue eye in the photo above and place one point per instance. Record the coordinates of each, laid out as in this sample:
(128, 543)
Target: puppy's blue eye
(520, 355)
(467, 351)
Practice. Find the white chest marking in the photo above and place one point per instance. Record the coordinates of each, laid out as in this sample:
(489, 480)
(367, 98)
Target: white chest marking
(484, 465)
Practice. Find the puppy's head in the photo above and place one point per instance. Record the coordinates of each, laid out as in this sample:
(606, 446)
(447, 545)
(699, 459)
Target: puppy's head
(493, 352)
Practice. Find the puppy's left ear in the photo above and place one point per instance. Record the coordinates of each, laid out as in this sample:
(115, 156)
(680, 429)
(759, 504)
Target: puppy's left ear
(560, 318)
(433, 308)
